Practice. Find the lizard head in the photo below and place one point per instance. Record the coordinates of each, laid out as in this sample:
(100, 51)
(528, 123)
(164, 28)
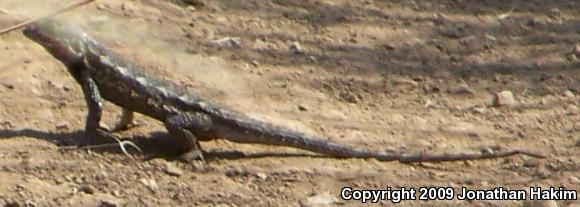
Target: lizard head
(62, 41)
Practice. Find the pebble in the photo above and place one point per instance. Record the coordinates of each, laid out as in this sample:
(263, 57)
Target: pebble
(255, 63)
(462, 89)
(228, 42)
(466, 128)
(479, 110)
(30, 204)
(261, 175)
(542, 172)
(569, 94)
(319, 200)
(173, 170)
(62, 125)
(504, 98)
(245, 171)
(88, 189)
(109, 203)
(301, 107)
(487, 151)
(349, 97)
(296, 47)
(577, 142)
(429, 104)
(531, 163)
(150, 184)
(572, 109)
(191, 8)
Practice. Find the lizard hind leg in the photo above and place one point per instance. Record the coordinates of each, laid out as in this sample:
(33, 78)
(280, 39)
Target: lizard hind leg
(184, 128)
(126, 121)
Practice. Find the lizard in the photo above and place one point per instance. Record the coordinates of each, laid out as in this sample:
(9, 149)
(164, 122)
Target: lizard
(187, 116)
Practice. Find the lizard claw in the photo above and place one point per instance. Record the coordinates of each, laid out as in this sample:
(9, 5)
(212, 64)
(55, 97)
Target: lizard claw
(192, 155)
(129, 143)
(98, 136)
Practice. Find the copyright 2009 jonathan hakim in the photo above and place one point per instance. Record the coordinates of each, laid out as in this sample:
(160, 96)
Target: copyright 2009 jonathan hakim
(396, 195)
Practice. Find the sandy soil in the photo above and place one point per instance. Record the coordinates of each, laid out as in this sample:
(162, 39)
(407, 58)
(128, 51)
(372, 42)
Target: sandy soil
(417, 76)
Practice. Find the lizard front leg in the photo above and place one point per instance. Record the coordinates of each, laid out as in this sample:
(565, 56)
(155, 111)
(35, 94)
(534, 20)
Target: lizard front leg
(93, 132)
(184, 128)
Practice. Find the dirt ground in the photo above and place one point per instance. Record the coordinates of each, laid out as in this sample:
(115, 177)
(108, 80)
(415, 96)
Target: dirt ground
(417, 76)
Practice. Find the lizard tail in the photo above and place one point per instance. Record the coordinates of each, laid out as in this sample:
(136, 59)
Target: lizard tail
(247, 130)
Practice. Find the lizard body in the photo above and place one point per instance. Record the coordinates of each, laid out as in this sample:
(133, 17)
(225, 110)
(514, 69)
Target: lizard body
(188, 117)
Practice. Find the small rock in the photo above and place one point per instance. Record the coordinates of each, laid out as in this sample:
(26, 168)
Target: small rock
(88, 189)
(539, 203)
(30, 204)
(295, 47)
(228, 42)
(430, 88)
(577, 142)
(109, 203)
(149, 183)
(302, 107)
(173, 170)
(531, 163)
(261, 175)
(461, 90)
(571, 109)
(487, 151)
(479, 110)
(191, 8)
(196, 3)
(255, 63)
(236, 172)
(406, 82)
(349, 97)
(67, 88)
(471, 181)
(504, 98)
(312, 58)
(542, 172)
(62, 126)
(319, 200)
(429, 104)
(569, 94)
(466, 128)
(389, 46)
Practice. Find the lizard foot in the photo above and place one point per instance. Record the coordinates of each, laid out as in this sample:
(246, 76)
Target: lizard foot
(98, 136)
(124, 127)
(193, 155)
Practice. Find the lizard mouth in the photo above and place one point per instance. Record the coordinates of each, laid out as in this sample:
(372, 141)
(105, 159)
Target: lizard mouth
(32, 31)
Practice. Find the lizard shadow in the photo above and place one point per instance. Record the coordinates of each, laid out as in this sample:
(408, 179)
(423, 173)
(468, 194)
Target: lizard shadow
(58, 138)
(153, 145)
(158, 144)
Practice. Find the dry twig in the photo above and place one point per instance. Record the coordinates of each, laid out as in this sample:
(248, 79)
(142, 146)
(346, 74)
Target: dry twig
(54, 13)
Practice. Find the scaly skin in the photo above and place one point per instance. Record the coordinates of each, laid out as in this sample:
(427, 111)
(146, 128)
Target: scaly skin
(188, 117)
